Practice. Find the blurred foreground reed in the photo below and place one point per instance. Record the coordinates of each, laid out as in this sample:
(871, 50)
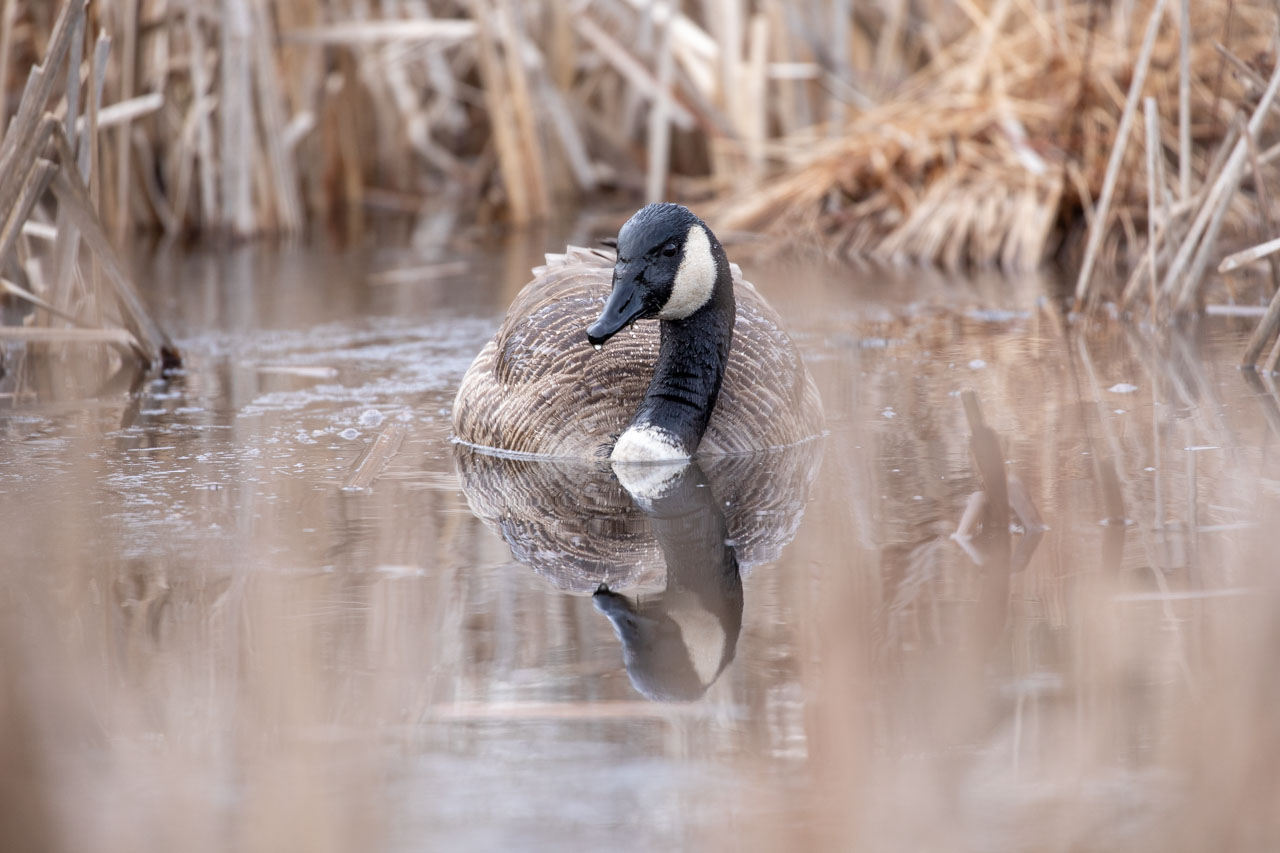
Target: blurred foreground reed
(975, 134)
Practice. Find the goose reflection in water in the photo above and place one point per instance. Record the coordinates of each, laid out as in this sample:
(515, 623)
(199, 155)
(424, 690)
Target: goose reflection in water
(661, 548)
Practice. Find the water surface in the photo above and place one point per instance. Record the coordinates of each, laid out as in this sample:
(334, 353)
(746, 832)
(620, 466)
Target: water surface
(209, 643)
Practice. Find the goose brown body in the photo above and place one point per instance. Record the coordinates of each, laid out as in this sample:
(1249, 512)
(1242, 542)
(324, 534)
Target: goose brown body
(539, 388)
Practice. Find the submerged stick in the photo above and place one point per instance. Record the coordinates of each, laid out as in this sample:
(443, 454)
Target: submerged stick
(375, 458)
(1098, 230)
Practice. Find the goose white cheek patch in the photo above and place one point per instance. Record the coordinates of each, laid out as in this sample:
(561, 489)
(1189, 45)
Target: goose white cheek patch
(695, 278)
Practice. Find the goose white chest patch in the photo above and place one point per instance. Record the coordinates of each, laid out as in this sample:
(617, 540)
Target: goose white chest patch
(647, 444)
(695, 278)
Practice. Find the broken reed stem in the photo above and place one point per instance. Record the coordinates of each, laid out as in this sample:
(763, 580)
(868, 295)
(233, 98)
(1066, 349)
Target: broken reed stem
(1264, 205)
(1247, 256)
(35, 185)
(73, 196)
(1213, 209)
(1266, 327)
(1100, 217)
(1220, 200)
(38, 90)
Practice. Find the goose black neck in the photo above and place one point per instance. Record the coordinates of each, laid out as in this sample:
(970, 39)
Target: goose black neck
(690, 368)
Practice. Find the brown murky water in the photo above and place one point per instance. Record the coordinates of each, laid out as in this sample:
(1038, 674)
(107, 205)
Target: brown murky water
(208, 643)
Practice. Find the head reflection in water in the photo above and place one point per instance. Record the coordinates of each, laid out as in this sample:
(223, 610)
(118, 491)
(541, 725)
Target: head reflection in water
(660, 548)
(676, 643)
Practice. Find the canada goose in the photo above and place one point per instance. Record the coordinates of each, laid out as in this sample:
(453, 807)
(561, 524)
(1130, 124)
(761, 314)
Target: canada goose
(716, 375)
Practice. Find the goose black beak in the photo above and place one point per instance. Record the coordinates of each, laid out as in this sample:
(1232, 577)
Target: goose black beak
(625, 304)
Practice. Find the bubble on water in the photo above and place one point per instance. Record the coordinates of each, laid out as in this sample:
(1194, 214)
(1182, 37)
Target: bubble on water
(349, 433)
(977, 364)
(370, 418)
(1122, 388)
(597, 347)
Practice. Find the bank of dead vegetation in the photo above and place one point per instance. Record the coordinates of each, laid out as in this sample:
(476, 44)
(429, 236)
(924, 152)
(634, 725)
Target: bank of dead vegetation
(1135, 140)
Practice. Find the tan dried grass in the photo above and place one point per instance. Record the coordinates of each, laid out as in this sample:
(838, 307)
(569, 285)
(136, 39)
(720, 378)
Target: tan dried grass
(994, 153)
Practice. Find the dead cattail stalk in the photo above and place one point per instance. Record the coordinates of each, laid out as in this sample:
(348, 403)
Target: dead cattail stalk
(43, 149)
(1154, 180)
(271, 112)
(128, 14)
(659, 118)
(8, 12)
(237, 155)
(1184, 100)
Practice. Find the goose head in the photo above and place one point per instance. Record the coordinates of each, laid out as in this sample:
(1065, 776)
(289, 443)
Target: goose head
(670, 266)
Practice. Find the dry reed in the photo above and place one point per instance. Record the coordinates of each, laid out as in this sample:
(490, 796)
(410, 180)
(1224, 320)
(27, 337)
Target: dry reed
(45, 149)
(1000, 136)
(995, 151)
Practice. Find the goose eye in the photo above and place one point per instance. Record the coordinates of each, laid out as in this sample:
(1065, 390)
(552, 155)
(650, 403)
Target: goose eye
(669, 250)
